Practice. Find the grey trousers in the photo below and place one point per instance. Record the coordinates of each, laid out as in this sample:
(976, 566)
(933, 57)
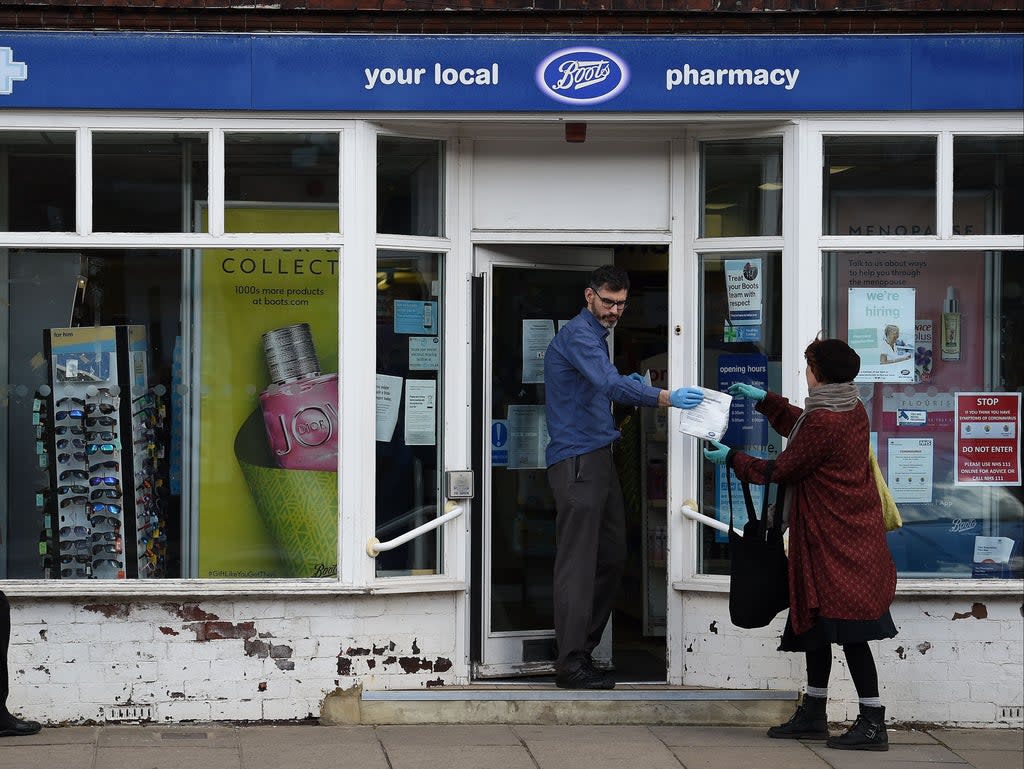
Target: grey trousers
(590, 536)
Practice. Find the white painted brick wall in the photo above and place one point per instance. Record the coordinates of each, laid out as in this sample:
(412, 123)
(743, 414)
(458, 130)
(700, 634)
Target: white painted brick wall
(953, 663)
(71, 661)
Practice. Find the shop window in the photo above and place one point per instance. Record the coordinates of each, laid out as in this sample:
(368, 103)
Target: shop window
(146, 182)
(988, 177)
(264, 478)
(410, 186)
(931, 328)
(879, 185)
(408, 446)
(277, 172)
(741, 188)
(91, 356)
(741, 329)
(38, 174)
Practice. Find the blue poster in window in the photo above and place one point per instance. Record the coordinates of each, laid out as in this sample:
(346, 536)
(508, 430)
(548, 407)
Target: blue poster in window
(413, 317)
(748, 431)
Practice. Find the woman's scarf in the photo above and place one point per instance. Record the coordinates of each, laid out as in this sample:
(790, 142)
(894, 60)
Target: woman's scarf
(833, 397)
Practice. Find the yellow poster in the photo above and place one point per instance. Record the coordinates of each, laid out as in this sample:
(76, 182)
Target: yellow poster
(268, 402)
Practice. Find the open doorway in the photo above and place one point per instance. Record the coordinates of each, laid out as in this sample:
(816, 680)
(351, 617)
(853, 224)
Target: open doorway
(525, 292)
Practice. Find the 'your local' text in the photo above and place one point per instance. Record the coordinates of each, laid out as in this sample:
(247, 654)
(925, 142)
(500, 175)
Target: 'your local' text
(438, 75)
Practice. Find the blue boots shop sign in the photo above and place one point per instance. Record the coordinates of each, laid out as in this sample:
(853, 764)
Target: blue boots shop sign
(381, 73)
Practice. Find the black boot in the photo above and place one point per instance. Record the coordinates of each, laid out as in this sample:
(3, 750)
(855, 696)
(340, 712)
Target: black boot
(867, 733)
(808, 723)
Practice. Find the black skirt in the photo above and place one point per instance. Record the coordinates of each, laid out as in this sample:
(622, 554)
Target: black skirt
(827, 631)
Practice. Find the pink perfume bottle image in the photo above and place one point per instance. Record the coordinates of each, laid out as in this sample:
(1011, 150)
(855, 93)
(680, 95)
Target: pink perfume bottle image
(300, 406)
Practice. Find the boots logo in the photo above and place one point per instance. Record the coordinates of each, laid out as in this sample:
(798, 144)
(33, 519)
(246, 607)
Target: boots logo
(582, 75)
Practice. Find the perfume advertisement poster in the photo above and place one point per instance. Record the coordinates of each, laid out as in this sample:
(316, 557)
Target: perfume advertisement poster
(267, 348)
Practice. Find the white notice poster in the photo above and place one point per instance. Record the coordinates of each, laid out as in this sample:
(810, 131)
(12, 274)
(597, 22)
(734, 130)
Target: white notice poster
(909, 470)
(420, 412)
(527, 437)
(537, 335)
(389, 398)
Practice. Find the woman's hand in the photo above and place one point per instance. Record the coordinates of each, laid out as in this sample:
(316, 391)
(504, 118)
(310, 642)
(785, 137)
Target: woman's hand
(718, 454)
(745, 390)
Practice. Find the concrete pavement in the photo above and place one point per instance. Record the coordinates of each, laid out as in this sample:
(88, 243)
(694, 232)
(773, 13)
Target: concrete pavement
(310, 746)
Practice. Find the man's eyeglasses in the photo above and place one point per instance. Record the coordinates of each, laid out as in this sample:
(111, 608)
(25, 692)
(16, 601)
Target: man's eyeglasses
(609, 303)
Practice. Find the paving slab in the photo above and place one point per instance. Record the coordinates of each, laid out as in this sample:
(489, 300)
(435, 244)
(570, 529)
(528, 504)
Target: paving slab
(992, 759)
(898, 756)
(791, 755)
(167, 757)
(589, 747)
(983, 739)
(45, 756)
(447, 734)
(460, 757)
(170, 736)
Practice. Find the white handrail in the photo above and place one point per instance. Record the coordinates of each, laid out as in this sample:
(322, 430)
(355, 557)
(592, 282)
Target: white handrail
(714, 523)
(374, 546)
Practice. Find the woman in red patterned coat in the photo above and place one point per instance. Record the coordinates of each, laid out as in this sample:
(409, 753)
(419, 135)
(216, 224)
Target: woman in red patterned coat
(842, 579)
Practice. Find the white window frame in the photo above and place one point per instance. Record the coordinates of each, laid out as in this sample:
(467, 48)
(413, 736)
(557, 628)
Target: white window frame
(803, 244)
(357, 393)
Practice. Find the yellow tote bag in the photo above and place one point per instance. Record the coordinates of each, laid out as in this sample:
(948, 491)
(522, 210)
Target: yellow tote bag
(890, 513)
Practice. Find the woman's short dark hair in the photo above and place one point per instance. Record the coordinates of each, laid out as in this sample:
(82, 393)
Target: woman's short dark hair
(832, 361)
(609, 275)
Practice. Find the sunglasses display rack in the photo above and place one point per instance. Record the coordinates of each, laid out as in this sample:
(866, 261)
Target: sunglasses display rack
(101, 441)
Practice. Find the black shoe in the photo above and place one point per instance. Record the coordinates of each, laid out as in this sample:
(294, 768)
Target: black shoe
(15, 727)
(583, 677)
(807, 723)
(867, 733)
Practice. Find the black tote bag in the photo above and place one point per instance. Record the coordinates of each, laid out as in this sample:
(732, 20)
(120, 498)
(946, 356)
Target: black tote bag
(758, 567)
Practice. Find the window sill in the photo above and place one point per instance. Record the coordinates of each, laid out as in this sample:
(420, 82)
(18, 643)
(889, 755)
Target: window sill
(210, 588)
(904, 586)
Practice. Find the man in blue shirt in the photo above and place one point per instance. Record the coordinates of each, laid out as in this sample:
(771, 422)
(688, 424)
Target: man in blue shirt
(580, 384)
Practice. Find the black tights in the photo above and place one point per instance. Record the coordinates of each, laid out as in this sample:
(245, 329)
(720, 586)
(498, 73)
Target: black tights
(859, 660)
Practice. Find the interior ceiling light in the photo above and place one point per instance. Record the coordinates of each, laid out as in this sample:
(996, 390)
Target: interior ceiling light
(718, 206)
(838, 169)
(770, 186)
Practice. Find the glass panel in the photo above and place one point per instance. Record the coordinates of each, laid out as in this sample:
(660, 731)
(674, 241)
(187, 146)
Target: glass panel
(409, 359)
(741, 326)
(410, 186)
(741, 188)
(91, 451)
(293, 171)
(960, 316)
(988, 175)
(879, 185)
(38, 190)
(147, 182)
(266, 342)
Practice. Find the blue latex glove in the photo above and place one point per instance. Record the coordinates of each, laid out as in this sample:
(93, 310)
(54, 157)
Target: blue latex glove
(745, 390)
(636, 377)
(686, 397)
(718, 454)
